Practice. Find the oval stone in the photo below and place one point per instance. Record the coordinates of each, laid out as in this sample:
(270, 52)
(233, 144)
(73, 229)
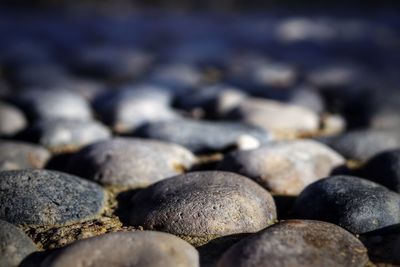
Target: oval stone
(298, 243)
(284, 167)
(48, 198)
(130, 162)
(203, 205)
(353, 203)
(139, 249)
(12, 120)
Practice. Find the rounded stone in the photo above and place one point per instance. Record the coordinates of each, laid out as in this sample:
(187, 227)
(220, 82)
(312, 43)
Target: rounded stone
(53, 103)
(66, 135)
(203, 136)
(130, 162)
(18, 155)
(353, 203)
(14, 245)
(384, 169)
(48, 198)
(279, 118)
(361, 145)
(203, 205)
(139, 249)
(12, 120)
(284, 167)
(298, 243)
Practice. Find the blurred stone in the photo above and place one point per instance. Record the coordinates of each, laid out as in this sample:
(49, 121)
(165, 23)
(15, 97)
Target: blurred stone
(16, 155)
(12, 120)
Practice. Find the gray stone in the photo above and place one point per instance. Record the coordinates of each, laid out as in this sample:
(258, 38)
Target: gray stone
(284, 167)
(361, 145)
(204, 205)
(138, 249)
(298, 243)
(353, 203)
(67, 135)
(204, 136)
(14, 245)
(130, 162)
(12, 120)
(279, 118)
(48, 198)
(53, 104)
(19, 155)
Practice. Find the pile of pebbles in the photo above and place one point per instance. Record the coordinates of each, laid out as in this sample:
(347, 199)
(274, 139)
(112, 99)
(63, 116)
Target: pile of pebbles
(199, 140)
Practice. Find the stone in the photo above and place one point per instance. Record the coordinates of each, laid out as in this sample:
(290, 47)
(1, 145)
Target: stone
(66, 135)
(200, 206)
(298, 243)
(39, 104)
(276, 117)
(361, 145)
(12, 120)
(130, 162)
(284, 167)
(139, 249)
(16, 155)
(48, 198)
(130, 107)
(15, 245)
(355, 204)
(384, 169)
(203, 136)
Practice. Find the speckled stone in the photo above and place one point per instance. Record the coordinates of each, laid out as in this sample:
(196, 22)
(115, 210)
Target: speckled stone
(53, 104)
(139, 249)
(361, 145)
(200, 206)
(298, 243)
(14, 245)
(204, 136)
(282, 119)
(67, 135)
(12, 120)
(127, 108)
(284, 167)
(353, 203)
(16, 155)
(130, 162)
(48, 198)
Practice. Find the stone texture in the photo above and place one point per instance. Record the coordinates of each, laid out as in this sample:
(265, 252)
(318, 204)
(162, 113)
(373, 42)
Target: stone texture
(280, 118)
(200, 206)
(12, 120)
(16, 155)
(138, 249)
(298, 243)
(284, 167)
(361, 145)
(14, 245)
(130, 162)
(203, 136)
(353, 203)
(67, 135)
(48, 198)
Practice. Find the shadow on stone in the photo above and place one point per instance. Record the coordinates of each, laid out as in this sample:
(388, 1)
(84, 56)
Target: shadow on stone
(284, 205)
(124, 199)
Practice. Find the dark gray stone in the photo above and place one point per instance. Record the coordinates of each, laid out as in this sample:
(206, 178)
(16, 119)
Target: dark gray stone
(48, 198)
(12, 120)
(298, 243)
(14, 245)
(139, 249)
(284, 167)
(201, 206)
(53, 104)
(130, 162)
(361, 145)
(353, 203)
(18, 155)
(67, 135)
(204, 136)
